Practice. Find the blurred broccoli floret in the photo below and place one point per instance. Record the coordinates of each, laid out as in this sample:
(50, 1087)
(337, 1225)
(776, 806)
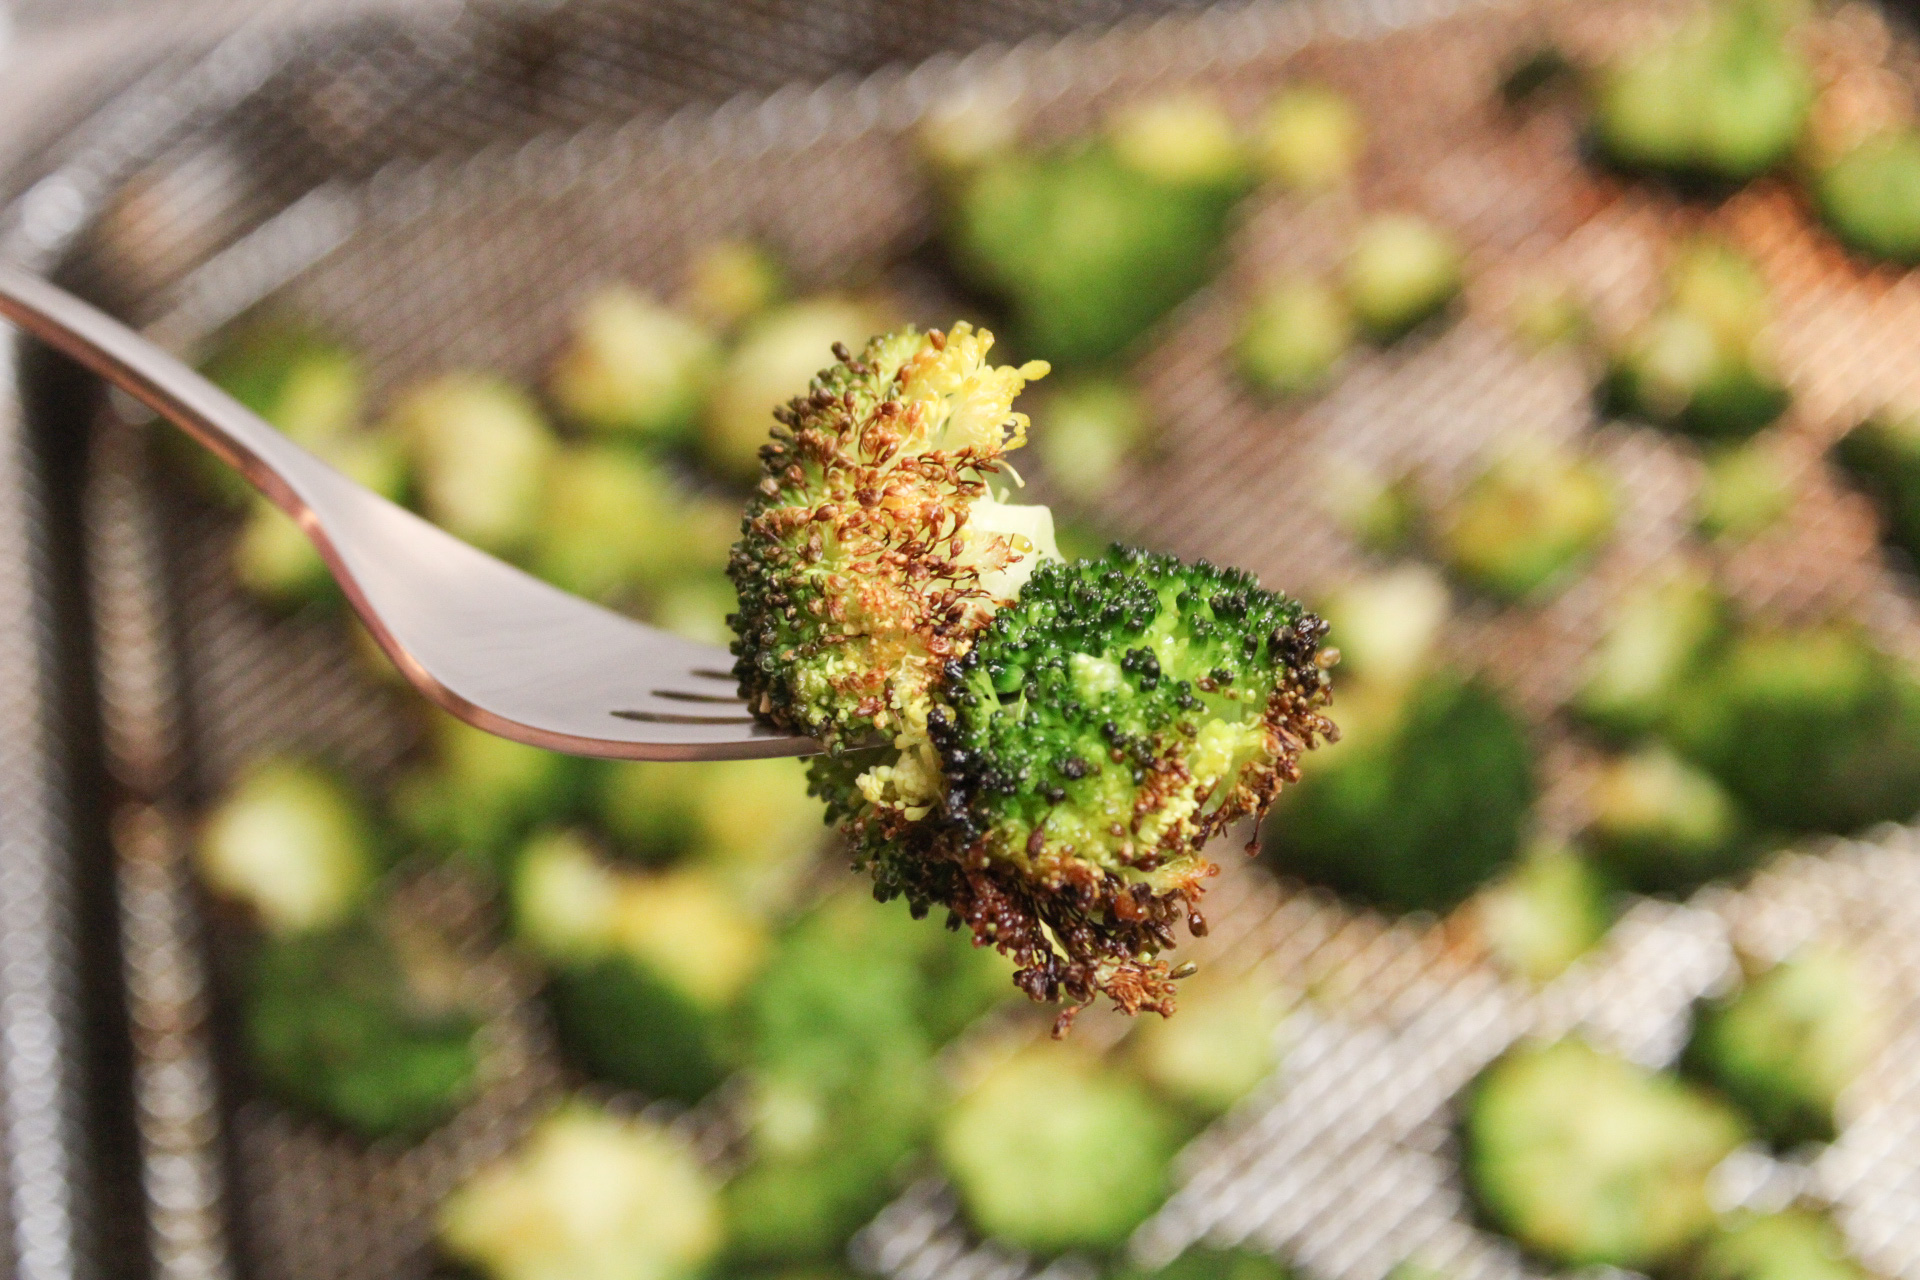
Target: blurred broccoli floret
(1882, 457)
(1384, 514)
(1871, 196)
(777, 351)
(478, 794)
(1425, 797)
(1524, 526)
(1051, 1151)
(293, 843)
(1205, 1263)
(646, 967)
(1401, 270)
(480, 452)
(1092, 426)
(1724, 98)
(1222, 1044)
(731, 281)
(1091, 244)
(1385, 625)
(1746, 491)
(1663, 825)
(1793, 1244)
(1590, 1160)
(1786, 1045)
(587, 1196)
(364, 1024)
(1055, 765)
(1310, 139)
(633, 368)
(1699, 364)
(1811, 729)
(615, 528)
(1293, 336)
(1660, 633)
(1546, 913)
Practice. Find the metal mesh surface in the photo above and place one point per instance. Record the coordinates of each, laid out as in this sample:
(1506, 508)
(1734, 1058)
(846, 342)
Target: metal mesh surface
(404, 182)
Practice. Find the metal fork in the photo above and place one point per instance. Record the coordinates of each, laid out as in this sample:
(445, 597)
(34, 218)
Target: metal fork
(493, 645)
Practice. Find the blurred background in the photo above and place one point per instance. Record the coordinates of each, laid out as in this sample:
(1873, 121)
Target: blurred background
(1565, 356)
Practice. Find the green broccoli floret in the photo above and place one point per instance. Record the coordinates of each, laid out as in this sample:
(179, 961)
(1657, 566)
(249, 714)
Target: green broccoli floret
(615, 528)
(291, 842)
(1310, 139)
(633, 367)
(587, 1195)
(752, 822)
(1292, 337)
(308, 387)
(1871, 196)
(1663, 825)
(481, 452)
(1661, 632)
(1747, 490)
(1786, 1045)
(275, 559)
(1546, 913)
(1063, 738)
(1526, 524)
(1811, 729)
(478, 795)
(646, 968)
(1882, 457)
(1724, 98)
(1091, 244)
(1225, 1041)
(1051, 1151)
(1426, 797)
(1588, 1159)
(363, 1024)
(1793, 1244)
(1401, 270)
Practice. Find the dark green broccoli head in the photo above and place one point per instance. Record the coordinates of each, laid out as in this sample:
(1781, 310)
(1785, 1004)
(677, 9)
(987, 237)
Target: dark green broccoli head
(1793, 1244)
(1785, 1046)
(1871, 196)
(357, 1028)
(1588, 1159)
(1882, 457)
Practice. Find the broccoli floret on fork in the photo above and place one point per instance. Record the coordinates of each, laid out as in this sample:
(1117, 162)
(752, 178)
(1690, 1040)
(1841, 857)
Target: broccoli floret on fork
(1040, 748)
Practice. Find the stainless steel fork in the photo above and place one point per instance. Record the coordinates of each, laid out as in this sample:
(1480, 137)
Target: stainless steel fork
(496, 647)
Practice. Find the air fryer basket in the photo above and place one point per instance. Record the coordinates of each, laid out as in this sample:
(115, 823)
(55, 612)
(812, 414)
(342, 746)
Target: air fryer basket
(443, 184)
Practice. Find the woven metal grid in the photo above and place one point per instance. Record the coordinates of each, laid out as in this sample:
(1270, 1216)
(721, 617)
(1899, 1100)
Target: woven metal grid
(433, 261)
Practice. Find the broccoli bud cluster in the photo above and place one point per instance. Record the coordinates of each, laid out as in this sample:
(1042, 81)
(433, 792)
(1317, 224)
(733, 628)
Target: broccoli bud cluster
(1041, 748)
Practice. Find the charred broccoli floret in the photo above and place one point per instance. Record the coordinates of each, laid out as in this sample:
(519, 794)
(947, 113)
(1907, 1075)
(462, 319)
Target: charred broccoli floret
(1051, 1150)
(1882, 457)
(1871, 196)
(1064, 738)
(1786, 1045)
(1588, 1159)
(363, 1024)
(1793, 1244)
(587, 1196)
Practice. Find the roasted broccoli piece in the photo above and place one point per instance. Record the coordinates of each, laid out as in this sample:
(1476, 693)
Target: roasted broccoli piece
(1871, 196)
(587, 1195)
(1050, 1150)
(1661, 633)
(633, 367)
(1064, 738)
(292, 843)
(480, 452)
(1551, 909)
(1590, 1160)
(1747, 491)
(1725, 98)
(1811, 729)
(1203, 1262)
(732, 281)
(1785, 1046)
(364, 1024)
(1663, 825)
(1224, 1042)
(1425, 798)
(777, 351)
(1093, 425)
(1526, 524)
(1882, 457)
(1793, 1244)
(646, 968)
(1293, 336)
(1699, 364)
(1310, 139)
(1091, 244)
(1401, 270)
(615, 528)
(477, 795)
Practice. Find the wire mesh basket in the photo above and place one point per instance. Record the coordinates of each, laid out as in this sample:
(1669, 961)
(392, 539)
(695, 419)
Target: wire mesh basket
(445, 184)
